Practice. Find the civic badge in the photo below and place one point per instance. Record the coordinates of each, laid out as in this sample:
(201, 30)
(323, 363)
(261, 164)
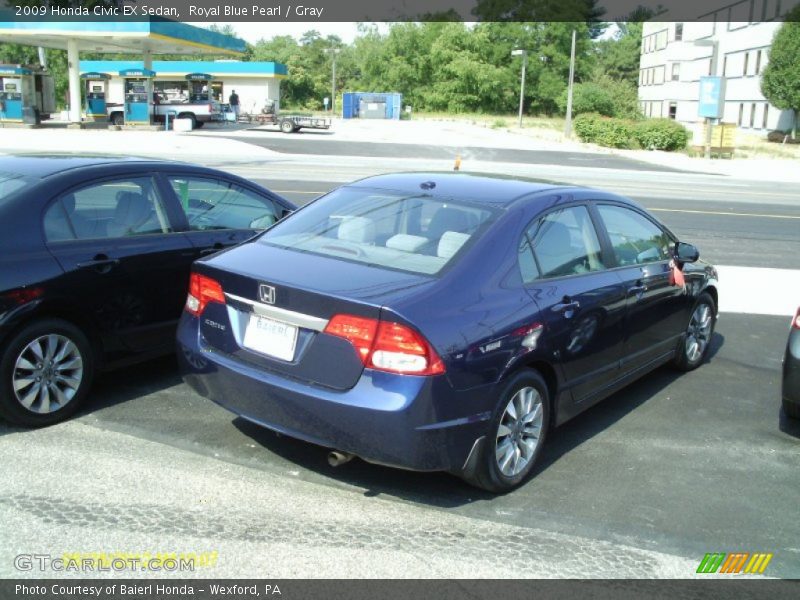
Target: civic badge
(266, 293)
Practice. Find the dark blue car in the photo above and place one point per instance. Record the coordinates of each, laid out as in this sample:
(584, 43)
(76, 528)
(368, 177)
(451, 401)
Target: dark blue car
(444, 321)
(95, 254)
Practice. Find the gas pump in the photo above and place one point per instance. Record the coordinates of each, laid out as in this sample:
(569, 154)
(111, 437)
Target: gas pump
(137, 88)
(199, 88)
(96, 88)
(16, 86)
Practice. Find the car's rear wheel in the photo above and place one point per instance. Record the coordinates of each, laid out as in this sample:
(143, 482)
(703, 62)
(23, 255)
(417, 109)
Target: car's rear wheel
(516, 435)
(694, 344)
(118, 118)
(46, 370)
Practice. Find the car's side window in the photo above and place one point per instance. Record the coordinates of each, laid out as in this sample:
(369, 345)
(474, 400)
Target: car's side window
(634, 238)
(564, 242)
(108, 209)
(218, 204)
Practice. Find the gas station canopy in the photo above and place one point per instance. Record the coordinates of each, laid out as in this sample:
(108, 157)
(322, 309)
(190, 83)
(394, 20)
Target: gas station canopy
(145, 38)
(154, 37)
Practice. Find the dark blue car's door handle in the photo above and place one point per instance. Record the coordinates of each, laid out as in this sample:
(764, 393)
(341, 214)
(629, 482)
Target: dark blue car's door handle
(101, 263)
(637, 290)
(567, 307)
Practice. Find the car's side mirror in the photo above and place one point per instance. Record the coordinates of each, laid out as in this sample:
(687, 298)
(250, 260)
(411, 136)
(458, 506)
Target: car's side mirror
(685, 253)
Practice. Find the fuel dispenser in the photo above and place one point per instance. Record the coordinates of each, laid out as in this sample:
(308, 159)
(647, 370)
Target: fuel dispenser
(26, 95)
(16, 87)
(138, 92)
(96, 90)
(199, 88)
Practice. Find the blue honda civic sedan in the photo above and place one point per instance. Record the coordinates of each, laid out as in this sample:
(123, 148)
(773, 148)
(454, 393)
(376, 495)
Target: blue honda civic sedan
(447, 322)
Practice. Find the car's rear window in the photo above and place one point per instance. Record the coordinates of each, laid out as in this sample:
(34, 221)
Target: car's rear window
(382, 228)
(13, 182)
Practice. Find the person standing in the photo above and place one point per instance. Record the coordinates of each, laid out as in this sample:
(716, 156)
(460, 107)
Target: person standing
(233, 100)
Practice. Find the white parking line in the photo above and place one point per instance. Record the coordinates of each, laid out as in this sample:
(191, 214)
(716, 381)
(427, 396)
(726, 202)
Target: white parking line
(759, 291)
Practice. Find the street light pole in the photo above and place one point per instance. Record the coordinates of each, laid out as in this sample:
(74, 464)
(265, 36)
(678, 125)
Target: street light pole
(524, 55)
(568, 122)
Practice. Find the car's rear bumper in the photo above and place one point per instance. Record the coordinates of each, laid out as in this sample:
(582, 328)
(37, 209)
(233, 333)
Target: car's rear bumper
(396, 420)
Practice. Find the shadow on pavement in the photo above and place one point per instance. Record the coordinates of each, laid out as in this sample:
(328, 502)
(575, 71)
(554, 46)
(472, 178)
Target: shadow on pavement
(444, 490)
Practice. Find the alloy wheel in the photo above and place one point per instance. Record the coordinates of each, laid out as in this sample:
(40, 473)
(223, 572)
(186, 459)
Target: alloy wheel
(698, 333)
(47, 373)
(519, 432)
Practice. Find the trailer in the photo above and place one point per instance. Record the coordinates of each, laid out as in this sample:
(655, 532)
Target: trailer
(286, 123)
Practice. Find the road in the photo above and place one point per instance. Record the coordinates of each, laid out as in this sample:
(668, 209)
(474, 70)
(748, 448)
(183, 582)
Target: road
(642, 485)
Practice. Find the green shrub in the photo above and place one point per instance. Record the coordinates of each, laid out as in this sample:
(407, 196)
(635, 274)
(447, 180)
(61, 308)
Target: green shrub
(499, 124)
(589, 98)
(661, 134)
(605, 96)
(605, 131)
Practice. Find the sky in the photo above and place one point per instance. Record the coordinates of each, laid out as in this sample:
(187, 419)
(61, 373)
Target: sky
(252, 32)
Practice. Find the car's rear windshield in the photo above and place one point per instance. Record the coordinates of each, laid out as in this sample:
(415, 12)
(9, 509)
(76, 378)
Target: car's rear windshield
(11, 183)
(382, 228)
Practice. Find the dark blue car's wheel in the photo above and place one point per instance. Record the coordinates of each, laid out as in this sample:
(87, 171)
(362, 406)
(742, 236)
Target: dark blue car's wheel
(46, 371)
(694, 344)
(516, 434)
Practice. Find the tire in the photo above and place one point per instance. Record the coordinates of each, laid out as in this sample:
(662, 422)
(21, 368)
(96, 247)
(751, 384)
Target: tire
(494, 470)
(118, 118)
(71, 384)
(687, 356)
(287, 126)
(791, 410)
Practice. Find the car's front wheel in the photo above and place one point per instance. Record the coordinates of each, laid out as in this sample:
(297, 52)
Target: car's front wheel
(696, 341)
(516, 436)
(46, 371)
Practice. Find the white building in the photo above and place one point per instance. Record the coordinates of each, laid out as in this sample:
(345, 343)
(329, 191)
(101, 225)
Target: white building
(675, 55)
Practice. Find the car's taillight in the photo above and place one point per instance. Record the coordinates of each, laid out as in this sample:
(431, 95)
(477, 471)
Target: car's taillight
(387, 346)
(359, 331)
(23, 296)
(796, 320)
(202, 290)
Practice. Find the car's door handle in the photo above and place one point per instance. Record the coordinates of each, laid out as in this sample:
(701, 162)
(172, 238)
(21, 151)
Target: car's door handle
(567, 307)
(637, 289)
(101, 262)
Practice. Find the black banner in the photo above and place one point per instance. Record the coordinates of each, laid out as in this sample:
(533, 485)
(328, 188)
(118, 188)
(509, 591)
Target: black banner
(292, 589)
(274, 11)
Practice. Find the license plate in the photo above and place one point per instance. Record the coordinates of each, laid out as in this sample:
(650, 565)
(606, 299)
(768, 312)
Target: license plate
(270, 337)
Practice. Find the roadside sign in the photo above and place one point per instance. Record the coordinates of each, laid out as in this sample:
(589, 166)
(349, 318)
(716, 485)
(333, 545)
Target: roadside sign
(712, 97)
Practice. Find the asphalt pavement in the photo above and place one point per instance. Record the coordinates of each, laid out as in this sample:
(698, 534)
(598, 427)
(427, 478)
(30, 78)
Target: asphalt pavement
(642, 485)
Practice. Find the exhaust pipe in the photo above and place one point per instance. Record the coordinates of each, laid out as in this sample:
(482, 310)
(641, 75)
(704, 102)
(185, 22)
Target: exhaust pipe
(337, 458)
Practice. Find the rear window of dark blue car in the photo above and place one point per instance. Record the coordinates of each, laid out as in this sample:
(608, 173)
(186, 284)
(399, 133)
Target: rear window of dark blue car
(395, 230)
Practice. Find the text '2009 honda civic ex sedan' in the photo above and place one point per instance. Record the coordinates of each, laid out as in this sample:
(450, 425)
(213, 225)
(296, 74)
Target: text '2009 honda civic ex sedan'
(444, 321)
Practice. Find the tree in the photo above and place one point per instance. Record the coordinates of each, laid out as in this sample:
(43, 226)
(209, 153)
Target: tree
(780, 83)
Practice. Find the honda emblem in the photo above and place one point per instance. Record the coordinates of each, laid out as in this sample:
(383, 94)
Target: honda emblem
(266, 293)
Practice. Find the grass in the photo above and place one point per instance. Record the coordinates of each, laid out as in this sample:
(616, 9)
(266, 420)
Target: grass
(495, 121)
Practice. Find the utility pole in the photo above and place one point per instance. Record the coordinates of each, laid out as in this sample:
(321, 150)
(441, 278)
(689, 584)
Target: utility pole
(333, 52)
(568, 123)
(524, 55)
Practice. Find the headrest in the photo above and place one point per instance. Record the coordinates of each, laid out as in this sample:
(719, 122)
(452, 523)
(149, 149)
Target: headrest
(132, 208)
(357, 229)
(450, 243)
(448, 219)
(406, 242)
